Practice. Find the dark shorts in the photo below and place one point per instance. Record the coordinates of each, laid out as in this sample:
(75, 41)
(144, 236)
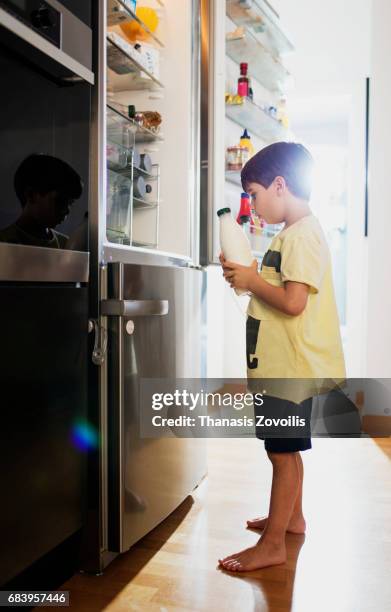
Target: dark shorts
(273, 407)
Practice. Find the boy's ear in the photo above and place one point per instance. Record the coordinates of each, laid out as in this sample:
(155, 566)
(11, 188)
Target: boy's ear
(280, 184)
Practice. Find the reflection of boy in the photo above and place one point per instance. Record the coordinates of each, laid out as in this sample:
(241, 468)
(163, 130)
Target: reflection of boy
(46, 188)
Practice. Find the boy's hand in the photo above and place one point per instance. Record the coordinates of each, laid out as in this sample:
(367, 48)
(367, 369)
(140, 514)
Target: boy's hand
(222, 261)
(240, 277)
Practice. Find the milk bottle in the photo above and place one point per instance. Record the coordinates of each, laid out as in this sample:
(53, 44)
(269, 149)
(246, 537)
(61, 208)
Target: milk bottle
(234, 242)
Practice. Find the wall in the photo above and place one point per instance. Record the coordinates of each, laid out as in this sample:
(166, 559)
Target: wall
(379, 247)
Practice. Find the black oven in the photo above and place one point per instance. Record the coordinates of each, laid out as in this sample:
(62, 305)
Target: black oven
(46, 81)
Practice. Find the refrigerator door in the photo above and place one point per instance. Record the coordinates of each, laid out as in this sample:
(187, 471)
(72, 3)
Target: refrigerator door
(212, 126)
(157, 336)
(165, 128)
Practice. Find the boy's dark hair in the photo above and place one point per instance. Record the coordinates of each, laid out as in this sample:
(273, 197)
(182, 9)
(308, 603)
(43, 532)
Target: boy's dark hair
(44, 173)
(290, 160)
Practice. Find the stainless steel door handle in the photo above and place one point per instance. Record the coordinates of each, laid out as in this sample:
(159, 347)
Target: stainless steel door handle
(134, 308)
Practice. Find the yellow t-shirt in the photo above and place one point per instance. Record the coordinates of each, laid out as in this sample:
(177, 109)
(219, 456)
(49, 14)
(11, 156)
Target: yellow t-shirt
(307, 346)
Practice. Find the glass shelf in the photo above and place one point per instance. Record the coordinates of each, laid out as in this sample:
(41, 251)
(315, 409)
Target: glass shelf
(233, 176)
(148, 245)
(256, 120)
(140, 204)
(126, 73)
(258, 17)
(118, 123)
(118, 12)
(127, 171)
(262, 65)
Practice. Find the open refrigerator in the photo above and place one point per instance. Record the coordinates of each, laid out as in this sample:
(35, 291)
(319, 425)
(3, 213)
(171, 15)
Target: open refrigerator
(158, 178)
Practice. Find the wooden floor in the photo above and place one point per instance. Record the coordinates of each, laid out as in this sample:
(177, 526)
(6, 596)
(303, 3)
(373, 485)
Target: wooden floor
(342, 565)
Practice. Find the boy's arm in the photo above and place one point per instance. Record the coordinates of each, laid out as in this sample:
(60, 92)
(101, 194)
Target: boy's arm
(290, 299)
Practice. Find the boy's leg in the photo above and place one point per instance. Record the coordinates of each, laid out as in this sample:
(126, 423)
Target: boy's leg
(271, 550)
(297, 522)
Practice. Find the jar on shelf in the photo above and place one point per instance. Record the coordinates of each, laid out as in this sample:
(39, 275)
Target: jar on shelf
(237, 157)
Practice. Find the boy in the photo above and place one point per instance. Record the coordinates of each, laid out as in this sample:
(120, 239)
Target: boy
(46, 188)
(292, 329)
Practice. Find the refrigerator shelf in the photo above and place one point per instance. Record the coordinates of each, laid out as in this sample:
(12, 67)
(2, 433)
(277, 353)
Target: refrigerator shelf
(252, 117)
(116, 237)
(260, 19)
(233, 176)
(118, 12)
(262, 65)
(127, 171)
(147, 245)
(140, 204)
(117, 122)
(131, 76)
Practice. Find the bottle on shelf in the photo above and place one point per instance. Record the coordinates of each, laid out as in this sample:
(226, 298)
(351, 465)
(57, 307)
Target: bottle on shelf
(245, 142)
(244, 214)
(243, 81)
(234, 243)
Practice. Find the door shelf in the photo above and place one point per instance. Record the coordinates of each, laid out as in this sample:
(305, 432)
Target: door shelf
(129, 173)
(144, 245)
(252, 117)
(125, 72)
(118, 12)
(260, 19)
(140, 204)
(118, 124)
(116, 237)
(262, 65)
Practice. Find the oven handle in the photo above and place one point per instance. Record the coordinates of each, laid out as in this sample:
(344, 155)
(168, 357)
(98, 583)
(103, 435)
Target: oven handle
(134, 308)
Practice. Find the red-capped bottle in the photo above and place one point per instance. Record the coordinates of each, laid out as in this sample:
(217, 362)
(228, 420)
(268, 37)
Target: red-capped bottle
(244, 214)
(243, 81)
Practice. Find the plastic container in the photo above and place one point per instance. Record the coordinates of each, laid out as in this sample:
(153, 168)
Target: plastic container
(139, 188)
(234, 243)
(118, 208)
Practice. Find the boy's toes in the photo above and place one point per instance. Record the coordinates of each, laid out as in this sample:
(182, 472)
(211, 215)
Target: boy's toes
(229, 558)
(257, 523)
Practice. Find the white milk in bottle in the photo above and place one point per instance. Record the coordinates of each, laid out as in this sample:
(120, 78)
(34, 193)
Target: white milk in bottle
(234, 243)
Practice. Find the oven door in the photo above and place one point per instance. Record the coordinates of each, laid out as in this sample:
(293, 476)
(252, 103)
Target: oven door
(50, 35)
(44, 109)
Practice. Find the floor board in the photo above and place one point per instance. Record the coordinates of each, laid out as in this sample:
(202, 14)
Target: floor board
(343, 564)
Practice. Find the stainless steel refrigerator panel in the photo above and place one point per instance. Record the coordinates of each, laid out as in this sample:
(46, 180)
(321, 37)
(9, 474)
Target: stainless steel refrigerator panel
(21, 263)
(149, 478)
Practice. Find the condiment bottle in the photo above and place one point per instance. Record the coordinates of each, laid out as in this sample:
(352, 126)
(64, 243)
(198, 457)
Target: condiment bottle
(243, 82)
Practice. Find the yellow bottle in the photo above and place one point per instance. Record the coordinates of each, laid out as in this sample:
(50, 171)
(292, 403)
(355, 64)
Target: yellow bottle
(245, 142)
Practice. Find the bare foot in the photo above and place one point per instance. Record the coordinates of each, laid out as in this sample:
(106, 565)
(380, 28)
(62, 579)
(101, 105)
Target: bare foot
(296, 525)
(262, 555)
